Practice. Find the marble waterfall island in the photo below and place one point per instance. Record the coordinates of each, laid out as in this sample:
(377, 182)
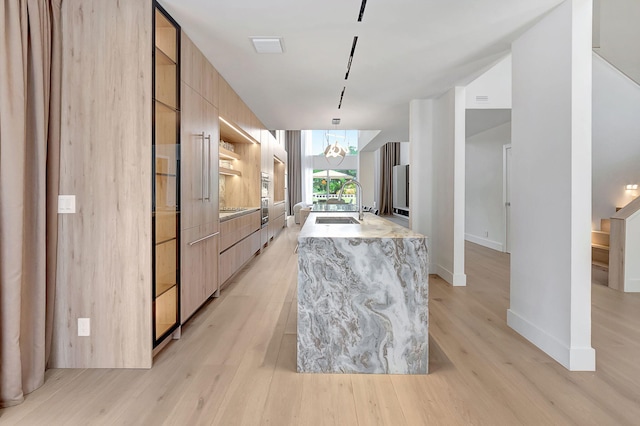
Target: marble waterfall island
(362, 297)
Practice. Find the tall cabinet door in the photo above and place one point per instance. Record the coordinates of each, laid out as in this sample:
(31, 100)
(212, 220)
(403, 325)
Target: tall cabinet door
(200, 136)
(193, 286)
(194, 162)
(212, 128)
(166, 172)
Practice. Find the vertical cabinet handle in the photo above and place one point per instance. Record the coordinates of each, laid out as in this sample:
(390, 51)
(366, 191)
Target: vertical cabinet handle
(201, 136)
(208, 174)
(202, 168)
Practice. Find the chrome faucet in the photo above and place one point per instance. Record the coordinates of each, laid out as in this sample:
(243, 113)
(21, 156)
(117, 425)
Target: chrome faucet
(358, 194)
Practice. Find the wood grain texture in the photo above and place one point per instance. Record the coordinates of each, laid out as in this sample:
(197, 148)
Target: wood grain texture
(228, 100)
(199, 184)
(617, 254)
(199, 272)
(193, 164)
(235, 364)
(233, 258)
(191, 62)
(191, 273)
(199, 169)
(106, 163)
(234, 230)
(279, 171)
(276, 224)
(210, 83)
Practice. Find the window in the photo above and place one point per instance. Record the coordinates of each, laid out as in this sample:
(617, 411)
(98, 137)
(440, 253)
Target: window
(321, 179)
(327, 184)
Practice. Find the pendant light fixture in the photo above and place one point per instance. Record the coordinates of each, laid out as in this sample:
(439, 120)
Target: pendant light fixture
(334, 152)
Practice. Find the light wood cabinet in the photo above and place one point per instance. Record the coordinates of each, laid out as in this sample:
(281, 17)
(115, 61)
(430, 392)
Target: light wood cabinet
(105, 250)
(234, 230)
(279, 173)
(210, 83)
(239, 241)
(237, 255)
(274, 163)
(199, 190)
(200, 253)
(276, 219)
(276, 225)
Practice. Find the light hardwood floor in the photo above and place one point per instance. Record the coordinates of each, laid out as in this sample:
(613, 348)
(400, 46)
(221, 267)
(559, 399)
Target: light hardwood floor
(235, 364)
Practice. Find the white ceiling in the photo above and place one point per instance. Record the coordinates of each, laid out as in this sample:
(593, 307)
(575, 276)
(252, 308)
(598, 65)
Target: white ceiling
(407, 49)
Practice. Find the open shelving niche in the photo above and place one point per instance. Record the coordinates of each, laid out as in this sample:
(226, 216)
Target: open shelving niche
(166, 171)
(242, 187)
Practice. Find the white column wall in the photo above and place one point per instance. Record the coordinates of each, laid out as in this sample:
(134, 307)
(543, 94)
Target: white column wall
(459, 160)
(421, 170)
(551, 199)
(437, 141)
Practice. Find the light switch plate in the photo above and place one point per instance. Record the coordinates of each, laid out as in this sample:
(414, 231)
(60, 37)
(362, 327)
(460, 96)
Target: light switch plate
(84, 327)
(66, 204)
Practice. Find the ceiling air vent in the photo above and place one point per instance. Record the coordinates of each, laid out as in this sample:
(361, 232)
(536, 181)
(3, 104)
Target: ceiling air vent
(267, 44)
(482, 98)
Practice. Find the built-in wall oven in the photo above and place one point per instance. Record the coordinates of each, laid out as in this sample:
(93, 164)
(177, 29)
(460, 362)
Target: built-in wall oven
(264, 203)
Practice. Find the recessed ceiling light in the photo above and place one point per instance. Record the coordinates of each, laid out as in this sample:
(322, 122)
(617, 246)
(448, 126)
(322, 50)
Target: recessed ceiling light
(268, 44)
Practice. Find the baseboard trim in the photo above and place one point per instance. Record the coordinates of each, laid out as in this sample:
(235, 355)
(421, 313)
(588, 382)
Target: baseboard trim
(456, 280)
(632, 286)
(573, 359)
(495, 245)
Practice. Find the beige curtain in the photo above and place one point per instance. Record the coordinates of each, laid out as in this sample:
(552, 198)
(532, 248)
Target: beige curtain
(293, 146)
(389, 157)
(29, 162)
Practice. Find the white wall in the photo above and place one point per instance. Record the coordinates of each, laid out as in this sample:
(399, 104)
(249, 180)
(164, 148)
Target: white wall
(551, 199)
(616, 139)
(366, 176)
(619, 35)
(437, 141)
(492, 90)
(484, 208)
(405, 153)
(421, 178)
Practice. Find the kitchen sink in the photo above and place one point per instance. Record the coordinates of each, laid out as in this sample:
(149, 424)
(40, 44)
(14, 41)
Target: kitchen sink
(336, 220)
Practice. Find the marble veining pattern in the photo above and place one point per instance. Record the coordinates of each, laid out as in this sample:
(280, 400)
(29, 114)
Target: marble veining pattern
(362, 300)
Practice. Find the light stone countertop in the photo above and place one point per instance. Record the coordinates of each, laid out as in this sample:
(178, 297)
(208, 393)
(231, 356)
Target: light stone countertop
(371, 227)
(225, 215)
(336, 208)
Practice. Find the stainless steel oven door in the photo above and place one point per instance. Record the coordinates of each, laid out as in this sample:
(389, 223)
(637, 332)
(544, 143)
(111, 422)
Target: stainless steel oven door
(265, 210)
(264, 186)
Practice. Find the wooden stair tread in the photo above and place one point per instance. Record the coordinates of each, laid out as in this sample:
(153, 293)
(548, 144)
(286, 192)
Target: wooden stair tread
(601, 265)
(601, 232)
(600, 246)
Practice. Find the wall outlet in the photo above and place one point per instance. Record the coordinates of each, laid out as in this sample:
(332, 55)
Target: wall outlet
(66, 204)
(486, 233)
(84, 327)
(374, 204)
